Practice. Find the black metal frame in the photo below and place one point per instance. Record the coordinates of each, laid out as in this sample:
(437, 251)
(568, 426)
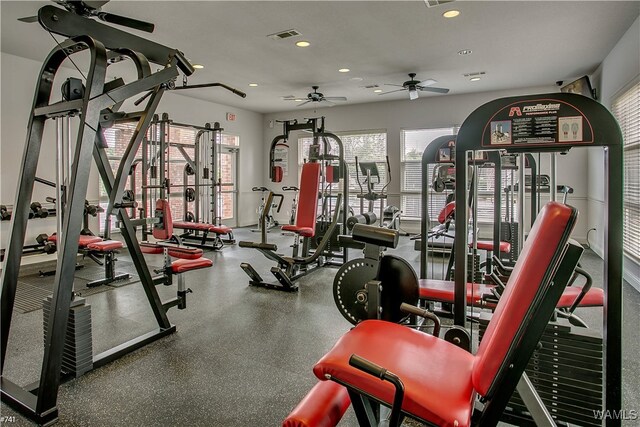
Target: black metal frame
(600, 130)
(105, 45)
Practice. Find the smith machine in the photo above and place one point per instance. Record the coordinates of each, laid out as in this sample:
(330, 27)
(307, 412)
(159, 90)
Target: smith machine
(94, 105)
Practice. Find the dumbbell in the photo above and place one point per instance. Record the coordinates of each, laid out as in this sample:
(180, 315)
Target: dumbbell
(47, 246)
(5, 215)
(38, 210)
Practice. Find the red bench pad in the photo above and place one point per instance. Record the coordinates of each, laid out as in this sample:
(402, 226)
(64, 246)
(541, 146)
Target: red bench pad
(323, 406)
(443, 291)
(303, 231)
(593, 298)
(150, 248)
(83, 240)
(105, 245)
(182, 265)
(487, 245)
(436, 373)
(183, 252)
(200, 226)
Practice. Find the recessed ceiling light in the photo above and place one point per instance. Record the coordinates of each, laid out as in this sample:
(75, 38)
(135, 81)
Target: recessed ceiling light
(198, 66)
(344, 70)
(474, 79)
(253, 84)
(465, 52)
(298, 100)
(377, 91)
(303, 43)
(356, 79)
(451, 13)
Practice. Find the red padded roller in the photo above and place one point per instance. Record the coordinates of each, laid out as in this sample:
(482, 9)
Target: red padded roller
(323, 406)
(447, 212)
(164, 230)
(183, 252)
(443, 291)
(150, 248)
(487, 245)
(182, 265)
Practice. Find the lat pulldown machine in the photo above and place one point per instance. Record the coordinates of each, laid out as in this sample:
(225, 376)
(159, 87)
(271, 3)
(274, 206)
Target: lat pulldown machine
(97, 104)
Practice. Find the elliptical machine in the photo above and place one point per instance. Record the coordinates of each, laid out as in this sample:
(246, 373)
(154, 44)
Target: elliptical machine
(389, 216)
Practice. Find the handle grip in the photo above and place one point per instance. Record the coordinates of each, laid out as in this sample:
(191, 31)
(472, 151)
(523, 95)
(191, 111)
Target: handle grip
(425, 314)
(366, 366)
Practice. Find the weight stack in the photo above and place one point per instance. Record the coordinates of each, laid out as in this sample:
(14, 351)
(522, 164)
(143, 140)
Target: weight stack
(77, 358)
(567, 373)
(509, 233)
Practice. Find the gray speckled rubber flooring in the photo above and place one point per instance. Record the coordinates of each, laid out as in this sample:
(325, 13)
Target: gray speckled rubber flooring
(242, 356)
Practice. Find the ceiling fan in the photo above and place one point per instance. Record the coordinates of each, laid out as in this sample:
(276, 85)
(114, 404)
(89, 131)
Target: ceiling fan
(316, 96)
(92, 9)
(414, 86)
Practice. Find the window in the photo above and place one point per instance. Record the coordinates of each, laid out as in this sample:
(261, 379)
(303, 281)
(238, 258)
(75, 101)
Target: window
(626, 108)
(412, 144)
(368, 146)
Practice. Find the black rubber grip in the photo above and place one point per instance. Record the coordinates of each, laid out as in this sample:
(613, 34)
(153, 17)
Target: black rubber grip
(366, 366)
(258, 245)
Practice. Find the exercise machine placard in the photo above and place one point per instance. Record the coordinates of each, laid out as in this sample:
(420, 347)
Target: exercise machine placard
(539, 122)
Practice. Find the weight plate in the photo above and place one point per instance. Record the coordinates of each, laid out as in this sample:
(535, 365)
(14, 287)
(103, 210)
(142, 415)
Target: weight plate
(349, 281)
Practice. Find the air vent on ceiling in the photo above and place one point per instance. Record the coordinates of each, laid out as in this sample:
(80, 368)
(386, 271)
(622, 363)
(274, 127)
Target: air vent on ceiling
(475, 74)
(370, 86)
(284, 34)
(434, 3)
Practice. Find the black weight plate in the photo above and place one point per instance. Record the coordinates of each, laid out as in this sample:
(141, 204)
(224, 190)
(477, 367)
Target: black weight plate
(350, 279)
(399, 284)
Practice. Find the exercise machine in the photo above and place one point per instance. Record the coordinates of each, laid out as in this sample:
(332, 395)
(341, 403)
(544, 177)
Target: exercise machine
(312, 247)
(389, 216)
(97, 101)
(269, 221)
(294, 206)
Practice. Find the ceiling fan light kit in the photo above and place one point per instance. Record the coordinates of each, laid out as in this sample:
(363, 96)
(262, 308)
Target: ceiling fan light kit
(414, 86)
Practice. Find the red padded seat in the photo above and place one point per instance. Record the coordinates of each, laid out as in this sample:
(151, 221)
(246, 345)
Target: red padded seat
(150, 248)
(105, 245)
(303, 231)
(443, 291)
(487, 245)
(221, 229)
(182, 265)
(186, 225)
(183, 252)
(83, 240)
(439, 391)
(323, 406)
(593, 298)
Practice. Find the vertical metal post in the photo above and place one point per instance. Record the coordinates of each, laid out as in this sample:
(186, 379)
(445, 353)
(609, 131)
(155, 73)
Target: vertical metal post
(60, 175)
(460, 242)
(521, 200)
(552, 183)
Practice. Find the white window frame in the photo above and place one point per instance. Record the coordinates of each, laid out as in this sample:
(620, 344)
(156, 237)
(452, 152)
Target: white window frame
(626, 108)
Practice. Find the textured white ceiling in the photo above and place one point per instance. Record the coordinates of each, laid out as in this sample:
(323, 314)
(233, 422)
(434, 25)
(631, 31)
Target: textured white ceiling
(517, 43)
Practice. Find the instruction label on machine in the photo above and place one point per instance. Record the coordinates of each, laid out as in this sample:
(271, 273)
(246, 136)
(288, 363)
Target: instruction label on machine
(544, 121)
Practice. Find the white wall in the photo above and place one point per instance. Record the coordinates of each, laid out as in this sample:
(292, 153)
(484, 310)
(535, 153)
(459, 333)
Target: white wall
(426, 112)
(18, 79)
(619, 70)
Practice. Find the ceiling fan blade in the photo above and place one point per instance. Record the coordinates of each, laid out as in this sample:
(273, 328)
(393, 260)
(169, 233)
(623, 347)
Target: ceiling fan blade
(435, 89)
(413, 94)
(28, 19)
(427, 82)
(126, 22)
(392, 91)
(335, 98)
(391, 84)
(305, 102)
(331, 104)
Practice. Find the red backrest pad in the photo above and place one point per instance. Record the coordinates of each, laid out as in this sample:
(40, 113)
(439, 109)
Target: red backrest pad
(308, 196)
(332, 174)
(548, 235)
(163, 230)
